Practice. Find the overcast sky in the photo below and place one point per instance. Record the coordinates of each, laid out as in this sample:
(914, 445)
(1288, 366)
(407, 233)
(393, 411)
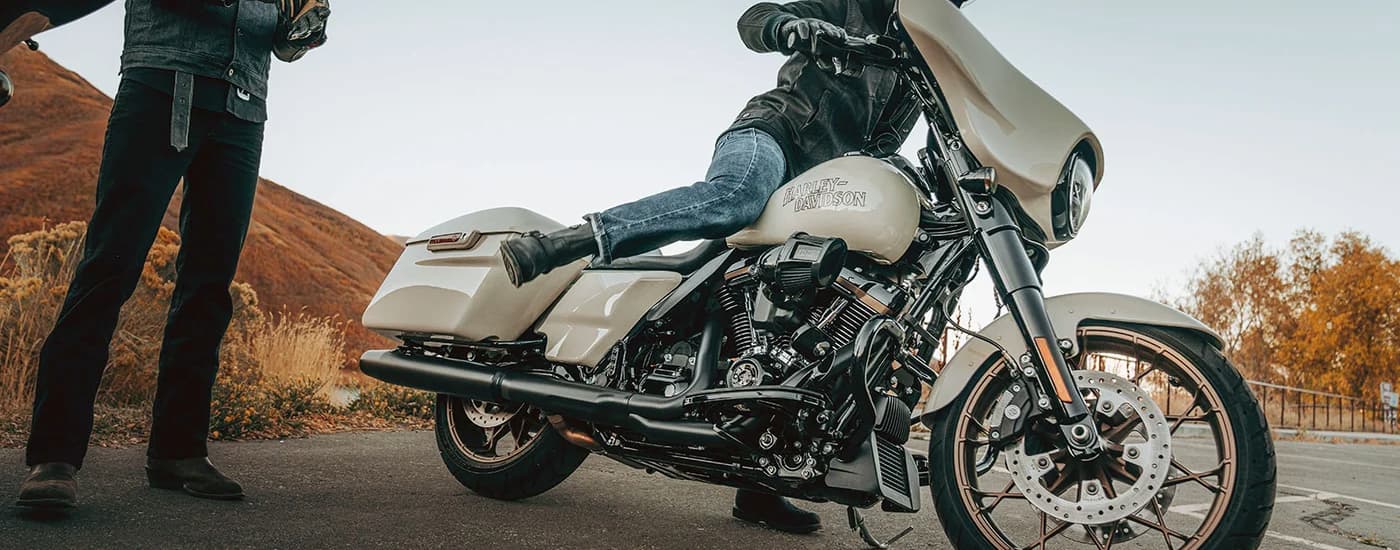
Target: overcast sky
(1219, 119)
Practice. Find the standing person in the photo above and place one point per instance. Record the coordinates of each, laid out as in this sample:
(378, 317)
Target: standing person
(812, 116)
(191, 106)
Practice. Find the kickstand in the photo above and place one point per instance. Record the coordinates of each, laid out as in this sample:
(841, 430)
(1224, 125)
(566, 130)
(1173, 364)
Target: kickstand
(858, 525)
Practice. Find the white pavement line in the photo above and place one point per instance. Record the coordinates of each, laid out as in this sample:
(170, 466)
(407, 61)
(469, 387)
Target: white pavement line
(1279, 500)
(1273, 534)
(1302, 456)
(1348, 497)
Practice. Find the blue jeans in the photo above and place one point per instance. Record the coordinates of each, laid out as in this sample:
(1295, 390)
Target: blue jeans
(748, 166)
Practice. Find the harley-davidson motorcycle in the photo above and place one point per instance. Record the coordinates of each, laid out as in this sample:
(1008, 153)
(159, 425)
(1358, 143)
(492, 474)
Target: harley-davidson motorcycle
(789, 357)
(20, 20)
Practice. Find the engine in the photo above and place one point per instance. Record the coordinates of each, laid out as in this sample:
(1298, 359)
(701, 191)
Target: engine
(794, 306)
(791, 311)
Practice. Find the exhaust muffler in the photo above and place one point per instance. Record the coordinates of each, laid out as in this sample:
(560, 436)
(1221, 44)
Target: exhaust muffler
(654, 417)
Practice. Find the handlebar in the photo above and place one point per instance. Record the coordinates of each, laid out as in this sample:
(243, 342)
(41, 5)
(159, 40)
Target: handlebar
(853, 53)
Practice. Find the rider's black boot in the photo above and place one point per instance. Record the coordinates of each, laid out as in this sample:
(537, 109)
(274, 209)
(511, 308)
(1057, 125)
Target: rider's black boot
(775, 512)
(533, 254)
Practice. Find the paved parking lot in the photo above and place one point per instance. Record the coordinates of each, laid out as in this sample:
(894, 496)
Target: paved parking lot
(390, 490)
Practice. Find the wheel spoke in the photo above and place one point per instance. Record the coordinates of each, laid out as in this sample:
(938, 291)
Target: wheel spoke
(980, 428)
(1186, 416)
(514, 428)
(1047, 535)
(1162, 522)
(1120, 470)
(1043, 521)
(1094, 538)
(1196, 477)
(1062, 481)
(1177, 421)
(1160, 525)
(1151, 365)
(1120, 432)
(997, 497)
(1107, 484)
(493, 438)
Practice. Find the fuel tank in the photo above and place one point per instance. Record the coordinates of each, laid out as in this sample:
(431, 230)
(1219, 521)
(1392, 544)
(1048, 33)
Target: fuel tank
(866, 201)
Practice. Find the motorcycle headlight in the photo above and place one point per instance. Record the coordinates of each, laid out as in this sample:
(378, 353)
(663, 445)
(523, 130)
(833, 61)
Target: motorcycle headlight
(1070, 201)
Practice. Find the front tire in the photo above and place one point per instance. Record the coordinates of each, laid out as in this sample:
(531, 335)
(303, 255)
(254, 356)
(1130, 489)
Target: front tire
(502, 452)
(1223, 498)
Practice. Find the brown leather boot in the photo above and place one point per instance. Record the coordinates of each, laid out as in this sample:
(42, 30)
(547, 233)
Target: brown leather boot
(49, 486)
(196, 476)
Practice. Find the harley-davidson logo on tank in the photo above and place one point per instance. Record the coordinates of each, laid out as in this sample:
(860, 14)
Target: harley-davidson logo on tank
(865, 201)
(821, 193)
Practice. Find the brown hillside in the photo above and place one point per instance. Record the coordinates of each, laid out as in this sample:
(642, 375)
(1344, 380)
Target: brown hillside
(300, 253)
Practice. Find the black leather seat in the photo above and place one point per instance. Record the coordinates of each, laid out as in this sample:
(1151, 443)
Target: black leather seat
(683, 263)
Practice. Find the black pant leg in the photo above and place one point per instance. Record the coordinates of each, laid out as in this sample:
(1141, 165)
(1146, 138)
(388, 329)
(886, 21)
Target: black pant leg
(138, 174)
(214, 216)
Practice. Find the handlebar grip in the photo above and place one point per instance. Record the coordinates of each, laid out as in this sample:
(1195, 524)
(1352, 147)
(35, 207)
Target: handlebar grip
(872, 49)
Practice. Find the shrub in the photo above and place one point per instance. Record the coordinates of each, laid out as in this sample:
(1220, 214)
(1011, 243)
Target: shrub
(40, 265)
(275, 370)
(37, 270)
(394, 403)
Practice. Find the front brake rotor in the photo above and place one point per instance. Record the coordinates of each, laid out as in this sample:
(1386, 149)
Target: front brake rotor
(1115, 401)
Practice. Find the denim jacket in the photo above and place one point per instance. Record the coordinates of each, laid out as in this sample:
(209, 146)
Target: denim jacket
(202, 38)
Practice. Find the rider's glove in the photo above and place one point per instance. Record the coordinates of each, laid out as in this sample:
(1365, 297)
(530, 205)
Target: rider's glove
(301, 27)
(801, 34)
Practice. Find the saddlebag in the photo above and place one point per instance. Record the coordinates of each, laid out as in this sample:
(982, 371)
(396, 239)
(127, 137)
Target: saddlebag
(450, 282)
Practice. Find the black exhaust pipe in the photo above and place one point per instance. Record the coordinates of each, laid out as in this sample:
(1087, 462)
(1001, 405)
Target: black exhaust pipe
(654, 417)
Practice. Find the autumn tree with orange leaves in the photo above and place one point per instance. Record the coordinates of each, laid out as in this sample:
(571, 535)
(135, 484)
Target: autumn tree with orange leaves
(1320, 313)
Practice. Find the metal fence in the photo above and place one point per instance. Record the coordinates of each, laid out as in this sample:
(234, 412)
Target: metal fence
(1288, 407)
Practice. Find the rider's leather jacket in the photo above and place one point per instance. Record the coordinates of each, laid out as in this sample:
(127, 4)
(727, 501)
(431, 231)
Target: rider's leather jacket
(814, 114)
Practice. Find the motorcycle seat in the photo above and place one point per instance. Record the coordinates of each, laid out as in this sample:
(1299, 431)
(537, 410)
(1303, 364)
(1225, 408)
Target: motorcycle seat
(683, 263)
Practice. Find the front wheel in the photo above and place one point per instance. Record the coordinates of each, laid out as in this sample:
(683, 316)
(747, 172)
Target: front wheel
(505, 452)
(1188, 464)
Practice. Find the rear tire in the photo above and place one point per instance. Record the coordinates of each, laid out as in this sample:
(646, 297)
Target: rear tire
(539, 460)
(1246, 510)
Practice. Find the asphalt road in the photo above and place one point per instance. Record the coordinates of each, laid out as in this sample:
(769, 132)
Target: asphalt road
(390, 490)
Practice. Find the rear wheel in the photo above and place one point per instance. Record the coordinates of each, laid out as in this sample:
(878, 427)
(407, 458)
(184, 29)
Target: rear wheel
(505, 452)
(1189, 461)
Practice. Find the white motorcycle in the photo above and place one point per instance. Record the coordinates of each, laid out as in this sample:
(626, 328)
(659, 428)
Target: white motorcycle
(789, 357)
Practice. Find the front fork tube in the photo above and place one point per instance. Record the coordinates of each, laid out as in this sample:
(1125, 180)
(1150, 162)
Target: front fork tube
(1018, 282)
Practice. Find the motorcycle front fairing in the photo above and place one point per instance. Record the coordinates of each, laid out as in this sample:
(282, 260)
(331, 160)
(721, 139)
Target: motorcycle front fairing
(1005, 119)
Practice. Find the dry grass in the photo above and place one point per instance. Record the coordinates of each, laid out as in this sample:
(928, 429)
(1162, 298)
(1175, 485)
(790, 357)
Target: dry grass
(298, 347)
(37, 266)
(276, 370)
